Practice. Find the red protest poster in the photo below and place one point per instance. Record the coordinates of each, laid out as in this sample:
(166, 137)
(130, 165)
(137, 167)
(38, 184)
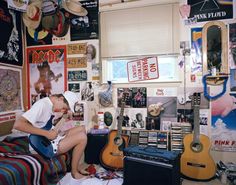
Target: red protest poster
(143, 69)
(47, 71)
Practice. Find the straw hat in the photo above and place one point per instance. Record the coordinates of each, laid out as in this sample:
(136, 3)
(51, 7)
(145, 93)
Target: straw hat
(74, 7)
(56, 24)
(33, 14)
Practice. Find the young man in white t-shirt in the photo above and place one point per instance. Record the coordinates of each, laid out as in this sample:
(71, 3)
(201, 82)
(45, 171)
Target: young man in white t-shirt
(37, 117)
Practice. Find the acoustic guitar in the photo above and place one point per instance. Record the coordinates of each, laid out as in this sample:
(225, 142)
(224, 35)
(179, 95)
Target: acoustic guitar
(43, 145)
(112, 154)
(196, 162)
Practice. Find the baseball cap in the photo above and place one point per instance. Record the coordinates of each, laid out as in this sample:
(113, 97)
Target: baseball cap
(71, 98)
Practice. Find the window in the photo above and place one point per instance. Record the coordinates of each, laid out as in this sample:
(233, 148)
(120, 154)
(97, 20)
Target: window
(115, 70)
(149, 30)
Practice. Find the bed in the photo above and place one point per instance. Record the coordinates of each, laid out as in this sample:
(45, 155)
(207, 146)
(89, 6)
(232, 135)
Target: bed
(19, 166)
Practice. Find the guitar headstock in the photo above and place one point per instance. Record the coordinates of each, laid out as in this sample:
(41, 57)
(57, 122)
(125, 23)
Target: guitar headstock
(196, 99)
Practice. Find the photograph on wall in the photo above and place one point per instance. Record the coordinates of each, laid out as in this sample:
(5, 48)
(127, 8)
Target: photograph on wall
(74, 87)
(137, 118)
(153, 123)
(223, 132)
(211, 10)
(87, 93)
(196, 50)
(10, 90)
(124, 97)
(161, 106)
(84, 25)
(185, 115)
(11, 51)
(139, 97)
(232, 45)
(46, 69)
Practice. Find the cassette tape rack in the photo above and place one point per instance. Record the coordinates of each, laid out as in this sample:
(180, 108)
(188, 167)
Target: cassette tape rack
(178, 131)
(155, 138)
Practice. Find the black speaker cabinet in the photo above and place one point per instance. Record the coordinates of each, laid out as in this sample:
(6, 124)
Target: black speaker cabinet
(95, 144)
(142, 169)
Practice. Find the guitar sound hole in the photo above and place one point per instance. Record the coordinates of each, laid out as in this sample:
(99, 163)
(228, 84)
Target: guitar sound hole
(196, 147)
(118, 141)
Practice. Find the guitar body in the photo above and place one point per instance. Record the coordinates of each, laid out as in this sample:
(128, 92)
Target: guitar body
(41, 144)
(112, 154)
(196, 162)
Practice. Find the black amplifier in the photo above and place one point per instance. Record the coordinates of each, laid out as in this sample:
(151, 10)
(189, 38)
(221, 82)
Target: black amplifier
(151, 166)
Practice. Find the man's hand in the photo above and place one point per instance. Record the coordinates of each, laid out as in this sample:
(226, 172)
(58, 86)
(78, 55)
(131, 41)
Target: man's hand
(52, 134)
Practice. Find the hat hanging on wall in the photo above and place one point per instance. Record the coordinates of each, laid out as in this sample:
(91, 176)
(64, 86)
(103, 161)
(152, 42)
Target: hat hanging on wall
(56, 24)
(49, 7)
(74, 7)
(33, 14)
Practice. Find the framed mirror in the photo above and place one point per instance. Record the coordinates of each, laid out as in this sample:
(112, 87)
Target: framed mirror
(215, 52)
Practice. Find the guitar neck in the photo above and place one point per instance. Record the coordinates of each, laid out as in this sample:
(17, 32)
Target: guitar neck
(196, 124)
(60, 123)
(120, 120)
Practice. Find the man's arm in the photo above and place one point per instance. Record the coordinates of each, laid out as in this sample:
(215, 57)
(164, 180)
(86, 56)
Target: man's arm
(24, 125)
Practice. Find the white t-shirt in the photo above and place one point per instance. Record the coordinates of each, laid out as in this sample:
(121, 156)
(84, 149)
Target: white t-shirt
(39, 114)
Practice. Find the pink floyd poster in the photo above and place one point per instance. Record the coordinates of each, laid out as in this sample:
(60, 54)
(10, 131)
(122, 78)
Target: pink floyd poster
(46, 69)
(11, 36)
(223, 133)
(211, 10)
(85, 27)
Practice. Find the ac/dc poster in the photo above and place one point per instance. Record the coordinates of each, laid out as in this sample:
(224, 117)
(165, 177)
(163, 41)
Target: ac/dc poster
(85, 27)
(211, 10)
(47, 71)
(11, 36)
